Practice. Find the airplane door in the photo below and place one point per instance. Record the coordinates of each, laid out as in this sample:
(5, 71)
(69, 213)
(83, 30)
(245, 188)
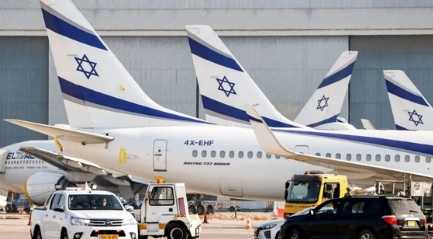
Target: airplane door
(160, 155)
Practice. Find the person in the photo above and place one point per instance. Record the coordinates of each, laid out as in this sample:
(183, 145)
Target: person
(104, 203)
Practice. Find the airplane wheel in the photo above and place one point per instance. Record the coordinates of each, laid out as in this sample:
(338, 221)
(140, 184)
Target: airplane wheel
(192, 209)
(210, 209)
(64, 234)
(200, 209)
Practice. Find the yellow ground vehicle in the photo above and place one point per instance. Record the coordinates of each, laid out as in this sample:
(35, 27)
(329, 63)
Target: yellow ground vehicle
(311, 189)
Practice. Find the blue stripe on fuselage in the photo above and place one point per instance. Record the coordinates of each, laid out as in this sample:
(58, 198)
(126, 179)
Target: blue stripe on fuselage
(58, 25)
(403, 145)
(98, 98)
(337, 76)
(230, 111)
(211, 55)
(400, 92)
(331, 119)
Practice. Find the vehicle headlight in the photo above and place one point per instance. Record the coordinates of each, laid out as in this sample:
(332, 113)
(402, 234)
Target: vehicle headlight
(76, 221)
(130, 221)
(268, 226)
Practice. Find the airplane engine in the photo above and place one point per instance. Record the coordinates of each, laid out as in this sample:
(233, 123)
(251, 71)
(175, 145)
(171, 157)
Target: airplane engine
(41, 185)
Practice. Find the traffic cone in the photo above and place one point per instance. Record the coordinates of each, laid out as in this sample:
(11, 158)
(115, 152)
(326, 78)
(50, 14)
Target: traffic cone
(248, 224)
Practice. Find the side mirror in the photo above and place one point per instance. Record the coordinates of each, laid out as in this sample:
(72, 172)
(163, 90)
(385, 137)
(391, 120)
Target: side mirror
(59, 210)
(311, 212)
(129, 208)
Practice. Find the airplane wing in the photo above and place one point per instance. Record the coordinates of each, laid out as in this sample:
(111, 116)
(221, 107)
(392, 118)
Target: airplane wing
(70, 164)
(64, 162)
(270, 143)
(63, 133)
(366, 123)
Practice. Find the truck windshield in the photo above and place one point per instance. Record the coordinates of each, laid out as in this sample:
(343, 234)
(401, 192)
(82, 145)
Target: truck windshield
(93, 202)
(303, 191)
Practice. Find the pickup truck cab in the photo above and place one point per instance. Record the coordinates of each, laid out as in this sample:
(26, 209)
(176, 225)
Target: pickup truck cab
(82, 213)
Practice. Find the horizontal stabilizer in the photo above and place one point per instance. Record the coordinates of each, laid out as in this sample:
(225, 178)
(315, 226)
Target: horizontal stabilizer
(63, 133)
(270, 144)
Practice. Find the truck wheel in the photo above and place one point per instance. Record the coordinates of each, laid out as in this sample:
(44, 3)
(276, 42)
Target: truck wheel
(210, 209)
(200, 209)
(64, 234)
(177, 231)
(37, 233)
(366, 234)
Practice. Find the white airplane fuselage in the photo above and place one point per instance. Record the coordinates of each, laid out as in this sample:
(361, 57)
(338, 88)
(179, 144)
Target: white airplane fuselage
(19, 166)
(192, 154)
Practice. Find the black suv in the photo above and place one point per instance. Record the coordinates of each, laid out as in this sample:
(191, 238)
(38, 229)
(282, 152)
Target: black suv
(360, 218)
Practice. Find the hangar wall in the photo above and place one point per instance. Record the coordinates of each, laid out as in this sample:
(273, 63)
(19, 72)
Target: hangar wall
(368, 99)
(286, 46)
(24, 85)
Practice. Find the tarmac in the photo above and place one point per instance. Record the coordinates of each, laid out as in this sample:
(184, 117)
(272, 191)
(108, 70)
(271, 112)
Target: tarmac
(14, 226)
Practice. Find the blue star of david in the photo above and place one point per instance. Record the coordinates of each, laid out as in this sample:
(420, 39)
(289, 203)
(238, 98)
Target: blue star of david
(226, 86)
(415, 118)
(322, 103)
(86, 66)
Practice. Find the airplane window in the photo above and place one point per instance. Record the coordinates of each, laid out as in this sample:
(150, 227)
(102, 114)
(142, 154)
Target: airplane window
(231, 154)
(417, 158)
(213, 153)
(317, 154)
(387, 157)
(195, 153)
(368, 157)
(407, 158)
(338, 155)
(250, 154)
(222, 154)
(397, 157)
(203, 153)
(259, 154)
(428, 159)
(348, 157)
(328, 155)
(358, 157)
(377, 157)
(268, 156)
(241, 154)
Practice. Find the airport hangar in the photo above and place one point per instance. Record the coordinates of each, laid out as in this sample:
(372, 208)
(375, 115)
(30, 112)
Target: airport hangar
(287, 47)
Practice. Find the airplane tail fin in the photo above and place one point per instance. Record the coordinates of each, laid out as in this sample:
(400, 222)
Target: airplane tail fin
(410, 109)
(225, 86)
(326, 103)
(98, 91)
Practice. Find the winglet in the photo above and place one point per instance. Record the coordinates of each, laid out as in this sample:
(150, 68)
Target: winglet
(265, 136)
(63, 133)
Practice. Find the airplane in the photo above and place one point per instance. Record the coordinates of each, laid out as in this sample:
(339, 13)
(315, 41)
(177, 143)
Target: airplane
(114, 124)
(410, 109)
(219, 84)
(38, 174)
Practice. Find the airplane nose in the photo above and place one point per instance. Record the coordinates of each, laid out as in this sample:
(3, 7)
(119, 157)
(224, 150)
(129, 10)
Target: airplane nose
(3, 154)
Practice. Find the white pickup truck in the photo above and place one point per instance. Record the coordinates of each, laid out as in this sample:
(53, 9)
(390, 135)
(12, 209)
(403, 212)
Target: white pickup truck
(82, 213)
